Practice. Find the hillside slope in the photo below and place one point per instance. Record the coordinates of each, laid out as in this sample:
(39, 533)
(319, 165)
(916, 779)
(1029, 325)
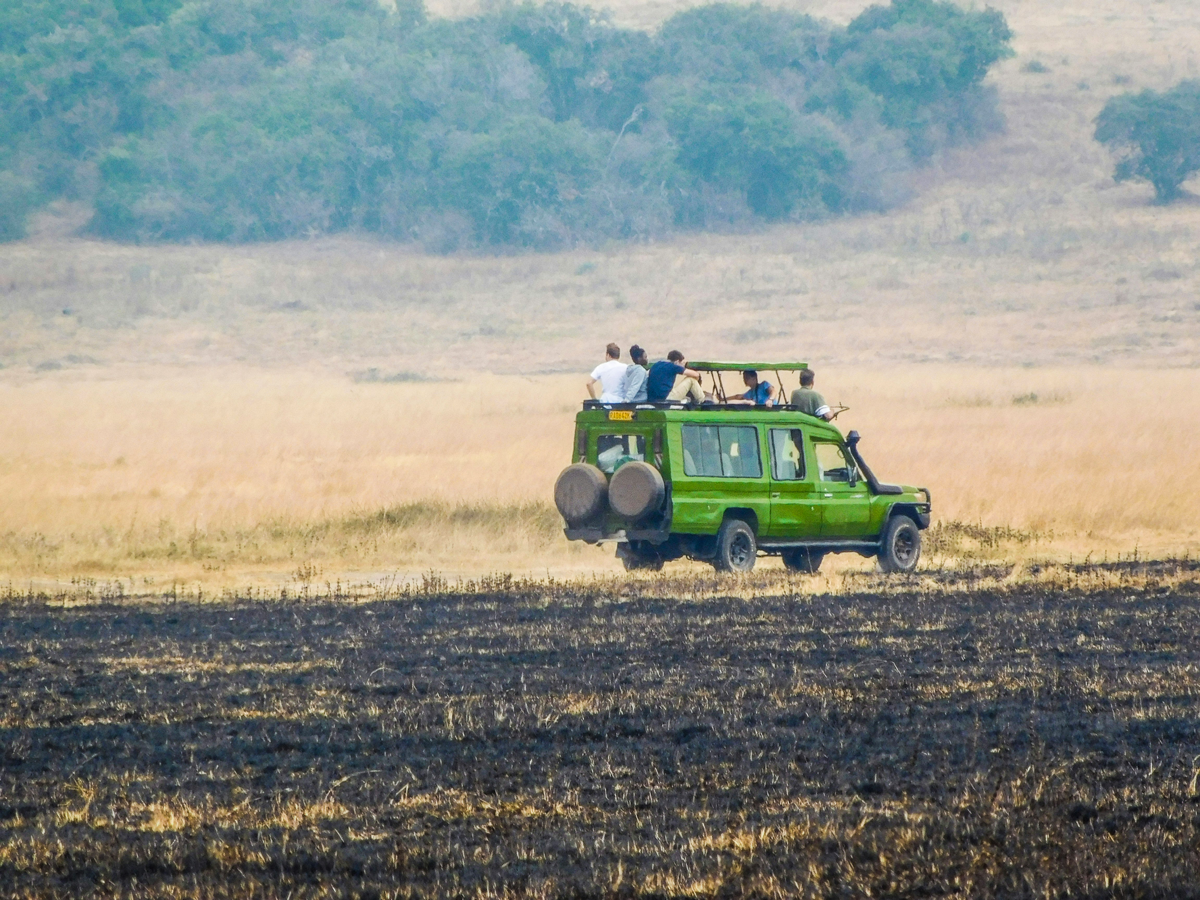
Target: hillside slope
(1020, 251)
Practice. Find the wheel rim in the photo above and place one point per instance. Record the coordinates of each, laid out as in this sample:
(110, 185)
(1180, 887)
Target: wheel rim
(740, 551)
(904, 547)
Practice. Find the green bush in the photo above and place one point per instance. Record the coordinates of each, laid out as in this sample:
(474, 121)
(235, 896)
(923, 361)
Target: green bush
(522, 183)
(752, 144)
(527, 126)
(1156, 136)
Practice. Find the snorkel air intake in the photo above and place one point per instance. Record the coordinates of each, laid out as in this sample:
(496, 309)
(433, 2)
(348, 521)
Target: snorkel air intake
(873, 483)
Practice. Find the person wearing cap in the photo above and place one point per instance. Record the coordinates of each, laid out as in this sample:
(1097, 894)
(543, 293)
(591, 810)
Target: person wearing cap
(633, 387)
(759, 393)
(807, 400)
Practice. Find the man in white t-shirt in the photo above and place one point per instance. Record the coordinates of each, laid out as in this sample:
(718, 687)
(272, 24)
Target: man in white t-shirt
(610, 375)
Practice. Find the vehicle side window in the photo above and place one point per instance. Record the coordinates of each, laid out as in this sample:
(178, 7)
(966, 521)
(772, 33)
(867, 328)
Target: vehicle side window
(613, 450)
(721, 451)
(787, 454)
(832, 464)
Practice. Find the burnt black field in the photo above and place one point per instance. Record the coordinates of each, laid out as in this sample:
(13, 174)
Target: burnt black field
(962, 738)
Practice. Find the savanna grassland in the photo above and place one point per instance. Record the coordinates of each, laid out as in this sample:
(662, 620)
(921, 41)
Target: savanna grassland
(948, 735)
(300, 478)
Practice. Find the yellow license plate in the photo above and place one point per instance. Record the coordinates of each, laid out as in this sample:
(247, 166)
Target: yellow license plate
(620, 415)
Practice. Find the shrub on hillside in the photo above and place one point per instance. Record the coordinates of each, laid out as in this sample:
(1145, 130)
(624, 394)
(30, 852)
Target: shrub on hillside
(1156, 136)
(527, 126)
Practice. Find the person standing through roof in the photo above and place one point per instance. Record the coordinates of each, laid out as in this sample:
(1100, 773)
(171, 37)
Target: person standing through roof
(633, 388)
(807, 400)
(760, 393)
(671, 379)
(609, 375)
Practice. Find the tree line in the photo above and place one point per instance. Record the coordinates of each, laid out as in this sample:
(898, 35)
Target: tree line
(538, 126)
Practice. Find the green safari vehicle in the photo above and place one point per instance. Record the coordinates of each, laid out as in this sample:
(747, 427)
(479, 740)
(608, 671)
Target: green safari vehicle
(725, 483)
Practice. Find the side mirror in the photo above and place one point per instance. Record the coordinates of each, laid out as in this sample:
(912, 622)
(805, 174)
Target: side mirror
(852, 475)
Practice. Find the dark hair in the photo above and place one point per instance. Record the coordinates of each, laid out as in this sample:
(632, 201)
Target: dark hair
(636, 353)
(675, 356)
(614, 351)
(750, 373)
(806, 377)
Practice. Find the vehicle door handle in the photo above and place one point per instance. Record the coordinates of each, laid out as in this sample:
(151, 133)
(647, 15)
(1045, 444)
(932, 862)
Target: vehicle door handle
(776, 496)
(827, 494)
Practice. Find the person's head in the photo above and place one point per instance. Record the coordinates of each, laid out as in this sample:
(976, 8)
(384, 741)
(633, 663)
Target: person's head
(807, 377)
(750, 378)
(612, 351)
(638, 355)
(676, 357)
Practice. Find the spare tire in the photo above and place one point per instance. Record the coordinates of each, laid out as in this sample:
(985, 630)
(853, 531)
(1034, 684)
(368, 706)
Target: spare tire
(580, 493)
(636, 491)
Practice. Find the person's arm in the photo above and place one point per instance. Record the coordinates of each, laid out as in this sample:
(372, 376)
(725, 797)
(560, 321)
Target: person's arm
(690, 373)
(772, 395)
(591, 384)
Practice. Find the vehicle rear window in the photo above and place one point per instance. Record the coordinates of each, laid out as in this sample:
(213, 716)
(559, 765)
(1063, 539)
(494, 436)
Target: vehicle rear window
(721, 451)
(613, 450)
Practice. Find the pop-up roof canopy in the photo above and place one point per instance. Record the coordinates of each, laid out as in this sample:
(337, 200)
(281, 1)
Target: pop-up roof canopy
(743, 366)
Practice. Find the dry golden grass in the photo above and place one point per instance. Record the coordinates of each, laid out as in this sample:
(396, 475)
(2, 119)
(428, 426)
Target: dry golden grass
(240, 476)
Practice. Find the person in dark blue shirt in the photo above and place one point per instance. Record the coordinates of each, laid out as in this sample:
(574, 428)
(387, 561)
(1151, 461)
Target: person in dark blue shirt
(671, 379)
(760, 393)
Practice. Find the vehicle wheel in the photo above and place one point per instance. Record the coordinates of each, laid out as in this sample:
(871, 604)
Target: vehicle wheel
(636, 491)
(580, 493)
(801, 559)
(900, 548)
(736, 547)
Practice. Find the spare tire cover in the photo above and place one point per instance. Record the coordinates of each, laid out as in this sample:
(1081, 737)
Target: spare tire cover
(580, 493)
(636, 491)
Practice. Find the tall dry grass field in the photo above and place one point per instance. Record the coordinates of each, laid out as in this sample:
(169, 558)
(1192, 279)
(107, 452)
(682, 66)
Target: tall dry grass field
(235, 475)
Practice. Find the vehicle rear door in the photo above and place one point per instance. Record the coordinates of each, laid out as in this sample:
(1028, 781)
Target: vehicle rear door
(795, 511)
(841, 493)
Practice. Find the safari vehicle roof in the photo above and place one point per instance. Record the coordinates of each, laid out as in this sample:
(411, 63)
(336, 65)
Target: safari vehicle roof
(597, 415)
(744, 366)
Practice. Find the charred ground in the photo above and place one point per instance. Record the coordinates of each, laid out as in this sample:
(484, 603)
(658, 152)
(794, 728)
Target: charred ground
(659, 738)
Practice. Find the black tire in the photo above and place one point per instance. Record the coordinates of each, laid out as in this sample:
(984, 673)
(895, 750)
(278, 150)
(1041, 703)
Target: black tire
(801, 559)
(636, 491)
(736, 547)
(900, 547)
(580, 493)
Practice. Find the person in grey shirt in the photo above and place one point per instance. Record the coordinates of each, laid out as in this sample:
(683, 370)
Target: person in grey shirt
(806, 400)
(633, 387)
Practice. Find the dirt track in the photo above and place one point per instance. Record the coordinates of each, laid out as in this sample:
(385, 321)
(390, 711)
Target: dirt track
(1000, 742)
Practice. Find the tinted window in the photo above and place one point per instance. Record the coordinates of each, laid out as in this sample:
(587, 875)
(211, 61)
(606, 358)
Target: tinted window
(614, 449)
(787, 454)
(721, 451)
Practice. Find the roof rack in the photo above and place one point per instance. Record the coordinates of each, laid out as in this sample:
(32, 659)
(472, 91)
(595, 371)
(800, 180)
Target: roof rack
(743, 366)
